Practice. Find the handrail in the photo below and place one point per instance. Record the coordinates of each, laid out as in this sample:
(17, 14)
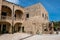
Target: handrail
(18, 19)
(6, 17)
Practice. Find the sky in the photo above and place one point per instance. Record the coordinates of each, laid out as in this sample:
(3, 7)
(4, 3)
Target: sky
(52, 6)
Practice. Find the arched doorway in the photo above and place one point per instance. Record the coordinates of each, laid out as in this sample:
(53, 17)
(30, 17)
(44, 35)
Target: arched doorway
(18, 27)
(18, 14)
(4, 27)
(6, 12)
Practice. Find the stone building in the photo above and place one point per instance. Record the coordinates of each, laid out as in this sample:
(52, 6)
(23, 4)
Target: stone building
(14, 18)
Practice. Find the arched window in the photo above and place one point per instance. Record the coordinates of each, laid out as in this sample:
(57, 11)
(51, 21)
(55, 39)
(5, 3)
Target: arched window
(18, 14)
(6, 11)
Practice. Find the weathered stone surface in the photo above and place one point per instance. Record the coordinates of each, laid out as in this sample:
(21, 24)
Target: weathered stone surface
(36, 22)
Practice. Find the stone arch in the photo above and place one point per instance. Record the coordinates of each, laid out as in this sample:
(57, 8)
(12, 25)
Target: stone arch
(6, 12)
(18, 27)
(5, 27)
(18, 14)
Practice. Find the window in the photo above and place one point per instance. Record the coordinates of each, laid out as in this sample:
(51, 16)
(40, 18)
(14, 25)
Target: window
(4, 29)
(19, 28)
(45, 16)
(45, 30)
(22, 29)
(4, 14)
(42, 15)
(27, 15)
(15, 15)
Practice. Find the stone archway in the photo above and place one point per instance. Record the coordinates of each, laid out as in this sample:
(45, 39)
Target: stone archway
(18, 27)
(6, 12)
(18, 14)
(5, 27)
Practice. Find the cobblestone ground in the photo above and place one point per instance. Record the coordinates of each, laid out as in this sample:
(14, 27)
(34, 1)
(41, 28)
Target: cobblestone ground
(23, 36)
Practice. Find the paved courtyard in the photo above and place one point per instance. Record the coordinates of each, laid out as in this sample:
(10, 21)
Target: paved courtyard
(23, 36)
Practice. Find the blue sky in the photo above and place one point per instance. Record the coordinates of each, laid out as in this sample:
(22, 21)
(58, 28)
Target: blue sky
(52, 6)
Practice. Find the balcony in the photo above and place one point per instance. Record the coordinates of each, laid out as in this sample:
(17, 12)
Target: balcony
(18, 17)
(18, 20)
(6, 18)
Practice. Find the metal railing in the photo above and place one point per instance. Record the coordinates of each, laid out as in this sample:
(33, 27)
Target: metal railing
(18, 19)
(10, 18)
(6, 17)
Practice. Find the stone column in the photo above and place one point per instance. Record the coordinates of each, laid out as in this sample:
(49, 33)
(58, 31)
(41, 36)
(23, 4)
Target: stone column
(10, 31)
(12, 24)
(13, 19)
(0, 8)
(0, 14)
